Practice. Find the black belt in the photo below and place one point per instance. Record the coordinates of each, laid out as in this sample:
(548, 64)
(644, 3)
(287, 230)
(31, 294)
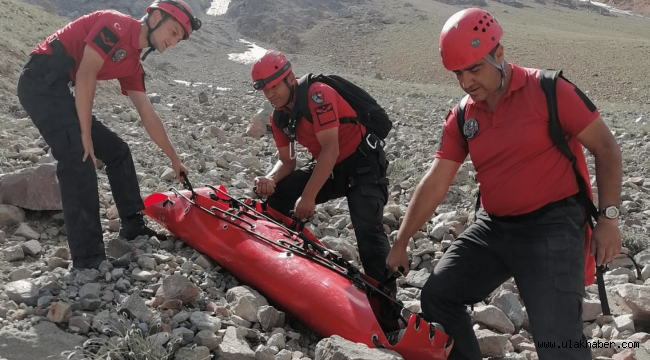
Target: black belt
(536, 213)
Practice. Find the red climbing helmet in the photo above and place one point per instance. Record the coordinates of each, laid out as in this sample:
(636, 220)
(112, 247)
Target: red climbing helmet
(467, 37)
(179, 10)
(270, 69)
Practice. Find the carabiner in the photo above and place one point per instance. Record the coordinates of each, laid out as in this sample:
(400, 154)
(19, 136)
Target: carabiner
(372, 146)
(292, 150)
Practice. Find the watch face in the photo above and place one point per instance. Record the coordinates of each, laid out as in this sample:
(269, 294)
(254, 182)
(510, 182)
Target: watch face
(611, 212)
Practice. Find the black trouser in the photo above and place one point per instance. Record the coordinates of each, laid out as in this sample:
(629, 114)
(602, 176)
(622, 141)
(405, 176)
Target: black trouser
(361, 178)
(44, 93)
(546, 257)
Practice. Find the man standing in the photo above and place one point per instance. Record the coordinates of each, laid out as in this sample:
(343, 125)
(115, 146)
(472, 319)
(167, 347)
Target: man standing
(531, 225)
(347, 160)
(102, 45)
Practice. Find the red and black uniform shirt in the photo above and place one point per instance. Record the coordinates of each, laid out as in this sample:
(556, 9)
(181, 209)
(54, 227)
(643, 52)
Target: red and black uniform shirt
(518, 167)
(114, 36)
(326, 107)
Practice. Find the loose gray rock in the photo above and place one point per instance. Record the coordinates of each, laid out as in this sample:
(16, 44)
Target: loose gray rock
(44, 341)
(22, 291)
(335, 347)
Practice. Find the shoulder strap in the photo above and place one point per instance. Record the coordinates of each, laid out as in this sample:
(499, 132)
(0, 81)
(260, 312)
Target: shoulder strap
(548, 81)
(460, 115)
(460, 119)
(302, 98)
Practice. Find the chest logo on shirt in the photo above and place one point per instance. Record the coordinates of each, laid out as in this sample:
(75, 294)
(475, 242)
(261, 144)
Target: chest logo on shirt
(325, 114)
(105, 39)
(119, 55)
(318, 97)
(117, 26)
(470, 128)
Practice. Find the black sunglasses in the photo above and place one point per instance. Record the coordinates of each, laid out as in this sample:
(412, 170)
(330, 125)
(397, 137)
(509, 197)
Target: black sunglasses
(261, 83)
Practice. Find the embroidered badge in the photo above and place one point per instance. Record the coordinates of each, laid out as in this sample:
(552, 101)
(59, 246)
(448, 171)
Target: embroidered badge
(470, 128)
(475, 43)
(105, 39)
(317, 97)
(119, 55)
(325, 114)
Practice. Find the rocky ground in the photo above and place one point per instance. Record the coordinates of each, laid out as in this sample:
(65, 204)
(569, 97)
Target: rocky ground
(192, 307)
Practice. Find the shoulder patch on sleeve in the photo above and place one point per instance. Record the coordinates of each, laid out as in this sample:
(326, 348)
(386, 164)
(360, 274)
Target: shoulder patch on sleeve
(325, 114)
(318, 97)
(106, 39)
(590, 105)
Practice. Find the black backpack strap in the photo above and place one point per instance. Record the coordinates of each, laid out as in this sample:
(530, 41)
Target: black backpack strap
(460, 115)
(302, 98)
(460, 119)
(548, 80)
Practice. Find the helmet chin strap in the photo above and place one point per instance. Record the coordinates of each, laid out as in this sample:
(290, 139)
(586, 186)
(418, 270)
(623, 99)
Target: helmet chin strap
(149, 31)
(292, 91)
(501, 67)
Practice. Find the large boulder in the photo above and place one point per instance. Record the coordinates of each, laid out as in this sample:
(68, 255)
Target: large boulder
(35, 188)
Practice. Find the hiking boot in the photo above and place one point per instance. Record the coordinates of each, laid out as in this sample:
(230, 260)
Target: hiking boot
(134, 225)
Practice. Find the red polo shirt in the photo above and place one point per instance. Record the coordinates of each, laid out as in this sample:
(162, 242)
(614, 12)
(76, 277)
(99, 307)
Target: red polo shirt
(518, 167)
(115, 36)
(327, 107)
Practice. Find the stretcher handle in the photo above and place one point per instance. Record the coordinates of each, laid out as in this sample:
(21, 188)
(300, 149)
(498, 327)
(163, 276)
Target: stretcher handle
(186, 183)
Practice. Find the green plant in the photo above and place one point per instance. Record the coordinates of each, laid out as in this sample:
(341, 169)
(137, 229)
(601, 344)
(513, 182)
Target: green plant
(133, 344)
(635, 241)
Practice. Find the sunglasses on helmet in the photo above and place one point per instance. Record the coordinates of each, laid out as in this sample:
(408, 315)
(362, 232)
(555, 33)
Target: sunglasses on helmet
(261, 83)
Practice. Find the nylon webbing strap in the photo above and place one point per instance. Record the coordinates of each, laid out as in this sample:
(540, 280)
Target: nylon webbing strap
(602, 292)
(460, 120)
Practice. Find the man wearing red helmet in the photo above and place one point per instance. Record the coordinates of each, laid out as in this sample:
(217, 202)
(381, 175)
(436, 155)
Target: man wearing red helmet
(102, 45)
(531, 226)
(349, 161)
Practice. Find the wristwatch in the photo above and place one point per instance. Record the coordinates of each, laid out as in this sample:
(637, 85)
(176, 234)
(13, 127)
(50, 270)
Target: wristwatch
(610, 212)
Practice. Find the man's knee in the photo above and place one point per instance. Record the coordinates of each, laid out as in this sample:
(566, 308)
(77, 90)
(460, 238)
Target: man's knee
(280, 204)
(434, 296)
(120, 152)
(122, 149)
